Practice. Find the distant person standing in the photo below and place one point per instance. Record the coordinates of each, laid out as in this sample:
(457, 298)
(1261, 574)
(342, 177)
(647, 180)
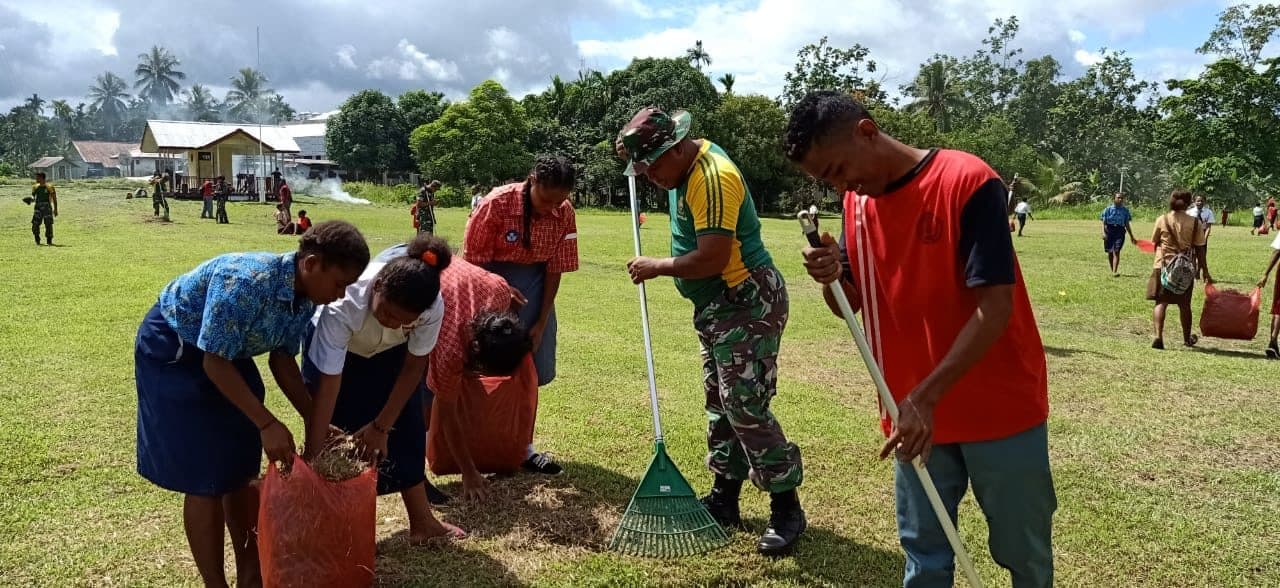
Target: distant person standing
(1115, 224)
(1271, 212)
(158, 200)
(1023, 212)
(222, 192)
(285, 194)
(1258, 219)
(1273, 351)
(206, 193)
(424, 210)
(45, 199)
(477, 195)
(1205, 214)
(275, 183)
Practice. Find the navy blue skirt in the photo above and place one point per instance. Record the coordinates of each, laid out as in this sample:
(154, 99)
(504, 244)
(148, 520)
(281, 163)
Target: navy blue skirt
(528, 279)
(1113, 242)
(366, 387)
(191, 439)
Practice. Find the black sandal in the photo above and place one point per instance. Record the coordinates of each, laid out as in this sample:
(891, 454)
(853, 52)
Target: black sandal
(1192, 341)
(1157, 344)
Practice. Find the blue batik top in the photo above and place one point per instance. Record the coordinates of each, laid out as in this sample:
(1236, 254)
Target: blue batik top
(239, 305)
(1116, 215)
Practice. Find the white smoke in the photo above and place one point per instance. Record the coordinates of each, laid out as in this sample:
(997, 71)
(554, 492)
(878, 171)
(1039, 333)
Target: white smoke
(330, 188)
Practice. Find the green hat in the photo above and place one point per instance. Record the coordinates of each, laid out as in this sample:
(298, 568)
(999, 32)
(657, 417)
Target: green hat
(650, 133)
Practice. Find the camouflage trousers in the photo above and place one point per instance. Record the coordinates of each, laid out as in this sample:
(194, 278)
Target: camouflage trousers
(43, 214)
(740, 332)
(159, 202)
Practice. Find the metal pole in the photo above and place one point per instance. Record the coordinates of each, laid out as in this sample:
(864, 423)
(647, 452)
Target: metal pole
(257, 107)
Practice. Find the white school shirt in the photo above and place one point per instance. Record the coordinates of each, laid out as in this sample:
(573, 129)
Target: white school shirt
(1022, 208)
(1206, 215)
(348, 325)
(1275, 243)
(1257, 211)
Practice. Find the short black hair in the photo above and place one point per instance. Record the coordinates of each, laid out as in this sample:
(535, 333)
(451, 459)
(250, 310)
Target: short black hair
(816, 116)
(500, 343)
(302, 213)
(40, 176)
(412, 282)
(337, 243)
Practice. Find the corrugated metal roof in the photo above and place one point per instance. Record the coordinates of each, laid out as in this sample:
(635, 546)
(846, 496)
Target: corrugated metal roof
(101, 151)
(44, 162)
(171, 134)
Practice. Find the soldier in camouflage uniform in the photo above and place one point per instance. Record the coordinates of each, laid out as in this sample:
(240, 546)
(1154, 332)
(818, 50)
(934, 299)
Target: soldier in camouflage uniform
(158, 200)
(740, 310)
(45, 200)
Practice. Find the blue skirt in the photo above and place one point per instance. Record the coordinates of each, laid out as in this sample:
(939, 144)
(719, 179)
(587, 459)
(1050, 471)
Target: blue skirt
(528, 279)
(1113, 241)
(366, 387)
(191, 439)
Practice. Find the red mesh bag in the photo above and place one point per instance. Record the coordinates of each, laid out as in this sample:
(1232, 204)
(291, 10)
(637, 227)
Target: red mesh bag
(498, 414)
(1230, 314)
(313, 532)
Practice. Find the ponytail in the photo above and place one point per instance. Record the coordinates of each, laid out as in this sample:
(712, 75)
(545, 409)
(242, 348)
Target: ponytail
(412, 282)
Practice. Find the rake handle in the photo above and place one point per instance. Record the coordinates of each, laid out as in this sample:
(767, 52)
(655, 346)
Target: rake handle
(809, 223)
(644, 315)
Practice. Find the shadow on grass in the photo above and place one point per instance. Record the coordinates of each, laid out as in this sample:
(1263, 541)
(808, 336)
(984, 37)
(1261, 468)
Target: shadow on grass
(1259, 355)
(827, 559)
(1065, 352)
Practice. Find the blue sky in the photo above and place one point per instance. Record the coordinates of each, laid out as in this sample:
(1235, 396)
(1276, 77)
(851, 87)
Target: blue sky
(318, 52)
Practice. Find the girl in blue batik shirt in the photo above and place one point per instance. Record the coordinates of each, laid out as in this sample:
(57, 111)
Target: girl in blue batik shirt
(1115, 224)
(202, 424)
(365, 359)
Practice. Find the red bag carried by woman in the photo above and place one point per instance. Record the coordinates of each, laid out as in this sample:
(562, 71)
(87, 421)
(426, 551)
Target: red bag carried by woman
(313, 532)
(1230, 314)
(499, 413)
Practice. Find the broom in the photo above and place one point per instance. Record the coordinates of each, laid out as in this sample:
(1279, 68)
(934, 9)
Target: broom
(809, 223)
(665, 518)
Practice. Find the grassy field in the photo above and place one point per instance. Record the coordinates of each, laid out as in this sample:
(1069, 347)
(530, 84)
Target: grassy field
(1167, 463)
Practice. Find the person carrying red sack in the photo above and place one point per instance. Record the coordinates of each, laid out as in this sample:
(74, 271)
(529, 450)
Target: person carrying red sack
(1273, 352)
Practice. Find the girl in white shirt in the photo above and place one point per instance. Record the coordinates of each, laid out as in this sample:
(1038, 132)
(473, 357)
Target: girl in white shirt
(364, 361)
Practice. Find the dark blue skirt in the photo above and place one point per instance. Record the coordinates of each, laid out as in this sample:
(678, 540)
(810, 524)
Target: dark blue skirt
(191, 439)
(1113, 241)
(366, 387)
(528, 279)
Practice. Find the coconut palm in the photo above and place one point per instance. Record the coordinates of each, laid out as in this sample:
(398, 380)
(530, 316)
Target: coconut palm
(697, 56)
(727, 81)
(158, 75)
(937, 93)
(245, 98)
(200, 104)
(108, 94)
(35, 104)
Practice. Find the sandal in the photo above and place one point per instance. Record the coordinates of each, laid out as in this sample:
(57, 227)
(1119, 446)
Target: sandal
(1157, 344)
(1192, 341)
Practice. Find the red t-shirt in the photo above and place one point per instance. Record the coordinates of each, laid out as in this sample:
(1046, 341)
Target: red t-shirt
(915, 255)
(286, 195)
(496, 233)
(206, 190)
(304, 223)
(467, 291)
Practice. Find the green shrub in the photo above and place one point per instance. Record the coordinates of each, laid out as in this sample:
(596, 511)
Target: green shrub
(452, 197)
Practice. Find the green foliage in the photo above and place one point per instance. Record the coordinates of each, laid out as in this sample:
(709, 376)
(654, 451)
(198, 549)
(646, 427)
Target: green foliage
(381, 193)
(820, 66)
(7, 169)
(478, 141)
(667, 83)
(1242, 32)
(420, 107)
(750, 128)
(450, 196)
(368, 135)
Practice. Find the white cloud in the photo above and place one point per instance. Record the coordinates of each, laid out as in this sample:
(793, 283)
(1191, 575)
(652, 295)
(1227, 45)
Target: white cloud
(1087, 58)
(346, 56)
(1076, 37)
(411, 64)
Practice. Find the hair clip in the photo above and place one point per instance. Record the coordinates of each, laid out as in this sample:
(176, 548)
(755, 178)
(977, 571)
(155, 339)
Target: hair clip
(429, 258)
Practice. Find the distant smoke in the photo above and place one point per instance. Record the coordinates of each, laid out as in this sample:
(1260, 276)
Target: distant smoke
(330, 188)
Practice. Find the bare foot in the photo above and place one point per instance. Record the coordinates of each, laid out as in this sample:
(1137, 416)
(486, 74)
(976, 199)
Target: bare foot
(440, 531)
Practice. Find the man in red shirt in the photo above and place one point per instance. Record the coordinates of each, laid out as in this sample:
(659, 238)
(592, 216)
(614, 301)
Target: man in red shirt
(926, 256)
(206, 192)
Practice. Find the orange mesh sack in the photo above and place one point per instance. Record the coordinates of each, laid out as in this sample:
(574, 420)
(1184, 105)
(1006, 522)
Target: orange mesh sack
(313, 532)
(498, 414)
(1230, 314)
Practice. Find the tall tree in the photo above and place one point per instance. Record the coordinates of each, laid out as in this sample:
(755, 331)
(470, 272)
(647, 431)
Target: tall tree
(1037, 91)
(244, 100)
(819, 66)
(1242, 32)
(35, 104)
(158, 75)
(108, 96)
(419, 107)
(478, 141)
(727, 81)
(200, 104)
(936, 92)
(668, 83)
(697, 55)
(749, 128)
(368, 134)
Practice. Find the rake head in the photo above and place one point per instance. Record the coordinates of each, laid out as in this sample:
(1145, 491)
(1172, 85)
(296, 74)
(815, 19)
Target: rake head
(665, 518)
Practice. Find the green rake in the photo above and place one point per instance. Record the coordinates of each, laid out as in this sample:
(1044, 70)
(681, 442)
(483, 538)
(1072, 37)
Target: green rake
(665, 518)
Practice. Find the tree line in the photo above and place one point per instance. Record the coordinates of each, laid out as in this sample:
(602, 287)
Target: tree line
(1066, 140)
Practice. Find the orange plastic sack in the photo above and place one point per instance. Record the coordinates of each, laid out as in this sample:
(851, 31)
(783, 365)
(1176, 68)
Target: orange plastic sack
(1230, 314)
(313, 532)
(498, 414)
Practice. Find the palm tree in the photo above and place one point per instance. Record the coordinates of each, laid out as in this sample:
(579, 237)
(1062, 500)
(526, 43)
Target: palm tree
(277, 109)
(108, 93)
(35, 104)
(158, 75)
(697, 56)
(936, 94)
(727, 81)
(200, 104)
(244, 99)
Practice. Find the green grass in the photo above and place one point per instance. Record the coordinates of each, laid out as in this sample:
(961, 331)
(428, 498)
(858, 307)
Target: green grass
(1167, 464)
